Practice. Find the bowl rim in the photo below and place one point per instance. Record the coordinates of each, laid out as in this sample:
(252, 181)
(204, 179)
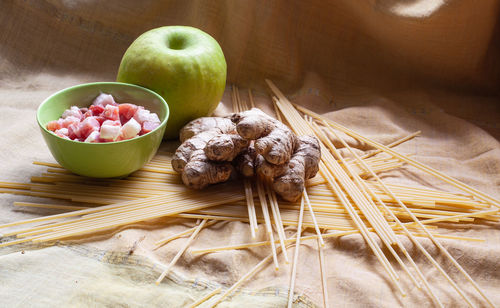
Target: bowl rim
(162, 100)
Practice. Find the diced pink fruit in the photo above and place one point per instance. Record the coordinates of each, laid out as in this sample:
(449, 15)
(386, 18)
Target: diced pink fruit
(84, 109)
(112, 123)
(110, 132)
(130, 129)
(127, 111)
(111, 113)
(148, 126)
(100, 119)
(104, 99)
(54, 125)
(62, 132)
(70, 120)
(73, 131)
(96, 110)
(87, 126)
(141, 115)
(93, 137)
(87, 114)
(72, 112)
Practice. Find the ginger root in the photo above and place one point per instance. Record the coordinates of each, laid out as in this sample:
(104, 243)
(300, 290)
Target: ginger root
(302, 166)
(253, 144)
(273, 139)
(209, 144)
(288, 179)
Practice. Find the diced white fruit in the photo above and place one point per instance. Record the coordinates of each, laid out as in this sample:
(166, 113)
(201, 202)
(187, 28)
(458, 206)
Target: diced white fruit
(93, 137)
(153, 117)
(72, 112)
(110, 132)
(70, 120)
(130, 129)
(62, 131)
(104, 99)
(141, 115)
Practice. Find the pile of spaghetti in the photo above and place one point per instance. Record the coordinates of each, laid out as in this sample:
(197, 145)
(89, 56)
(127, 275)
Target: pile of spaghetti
(347, 196)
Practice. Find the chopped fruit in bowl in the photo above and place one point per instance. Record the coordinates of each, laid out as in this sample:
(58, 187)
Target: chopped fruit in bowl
(103, 129)
(104, 121)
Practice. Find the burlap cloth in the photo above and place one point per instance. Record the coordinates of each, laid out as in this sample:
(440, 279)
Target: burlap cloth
(383, 68)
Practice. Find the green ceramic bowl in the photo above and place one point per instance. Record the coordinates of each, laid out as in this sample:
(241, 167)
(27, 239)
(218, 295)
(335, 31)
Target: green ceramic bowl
(102, 160)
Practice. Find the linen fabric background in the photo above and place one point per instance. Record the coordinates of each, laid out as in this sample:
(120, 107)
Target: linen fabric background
(384, 68)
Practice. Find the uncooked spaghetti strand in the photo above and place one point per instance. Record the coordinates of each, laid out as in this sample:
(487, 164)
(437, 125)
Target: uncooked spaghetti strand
(421, 190)
(392, 144)
(15, 242)
(252, 216)
(51, 206)
(275, 203)
(13, 185)
(158, 170)
(295, 261)
(277, 111)
(277, 219)
(322, 269)
(265, 243)
(313, 217)
(269, 229)
(212, 217)
(47, 164)
(181, 251)
(206, 297)
(180, 234)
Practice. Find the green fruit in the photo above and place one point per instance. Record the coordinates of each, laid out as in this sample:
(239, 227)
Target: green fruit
(185, 65)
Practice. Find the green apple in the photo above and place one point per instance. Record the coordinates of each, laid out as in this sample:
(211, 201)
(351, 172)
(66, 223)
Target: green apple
(185, 65)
